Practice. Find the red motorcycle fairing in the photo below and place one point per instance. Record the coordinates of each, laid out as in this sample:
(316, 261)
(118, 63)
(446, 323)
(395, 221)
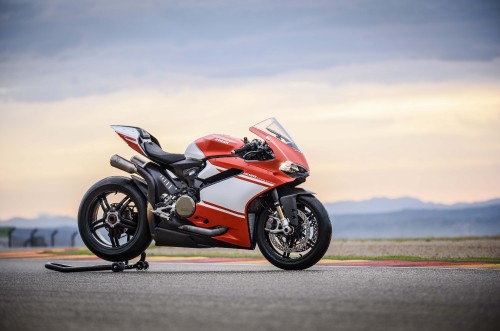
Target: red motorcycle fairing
(225, 203)
(219, 203)
(282, 151)
(218, 144)
(131, 136)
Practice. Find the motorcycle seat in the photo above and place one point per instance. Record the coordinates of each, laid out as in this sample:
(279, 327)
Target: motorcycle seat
(155, 153)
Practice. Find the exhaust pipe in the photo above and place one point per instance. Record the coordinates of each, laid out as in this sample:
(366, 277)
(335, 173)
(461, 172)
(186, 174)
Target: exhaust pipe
(122, 164)
(138, 161)
(206, 232)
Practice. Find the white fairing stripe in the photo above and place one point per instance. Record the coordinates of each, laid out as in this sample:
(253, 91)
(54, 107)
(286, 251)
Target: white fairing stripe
(232, 193)
(220, 209)
(257, 180)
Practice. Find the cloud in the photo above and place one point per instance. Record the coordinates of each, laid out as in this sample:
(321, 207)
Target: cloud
(84, 72)
(55, 49)
(386, 98)
(435, 140)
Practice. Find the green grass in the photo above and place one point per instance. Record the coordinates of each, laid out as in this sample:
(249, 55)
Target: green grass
(4, 231)
(85, 251)
(75, 251)
(427, 239)
(414, 258)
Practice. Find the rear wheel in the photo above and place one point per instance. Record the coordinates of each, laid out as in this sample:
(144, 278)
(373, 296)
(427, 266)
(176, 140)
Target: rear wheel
(308, 242)
(112, 220)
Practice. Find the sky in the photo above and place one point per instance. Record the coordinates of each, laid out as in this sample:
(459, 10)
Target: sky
(385, 98)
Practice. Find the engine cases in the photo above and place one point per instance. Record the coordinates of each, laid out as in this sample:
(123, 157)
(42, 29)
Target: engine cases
(185, 206)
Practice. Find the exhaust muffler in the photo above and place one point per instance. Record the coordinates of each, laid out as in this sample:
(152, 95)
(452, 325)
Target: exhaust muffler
(122, 164)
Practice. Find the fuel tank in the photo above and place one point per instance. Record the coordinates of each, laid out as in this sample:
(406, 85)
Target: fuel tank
(214, 144)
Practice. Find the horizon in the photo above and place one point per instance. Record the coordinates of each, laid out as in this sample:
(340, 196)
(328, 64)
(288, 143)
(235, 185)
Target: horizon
(49, 215)
(384, 99)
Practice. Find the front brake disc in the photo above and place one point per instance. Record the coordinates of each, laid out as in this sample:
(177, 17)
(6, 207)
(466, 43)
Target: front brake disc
(301, 238)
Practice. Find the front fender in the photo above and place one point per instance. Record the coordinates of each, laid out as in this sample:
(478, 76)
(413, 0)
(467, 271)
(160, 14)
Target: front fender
(288, 200)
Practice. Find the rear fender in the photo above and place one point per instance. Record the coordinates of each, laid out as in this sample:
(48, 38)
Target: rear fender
(156, 182)
(141, 185)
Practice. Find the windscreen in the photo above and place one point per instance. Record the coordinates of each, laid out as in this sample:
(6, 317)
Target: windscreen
(274, 128)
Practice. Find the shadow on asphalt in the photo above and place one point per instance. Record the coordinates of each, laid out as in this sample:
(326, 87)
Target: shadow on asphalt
(229, 272)
(197, 272)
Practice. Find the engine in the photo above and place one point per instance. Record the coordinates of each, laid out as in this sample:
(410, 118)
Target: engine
(175, 205)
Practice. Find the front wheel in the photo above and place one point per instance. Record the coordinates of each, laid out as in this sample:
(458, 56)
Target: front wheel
(308, 242)
(112, 220)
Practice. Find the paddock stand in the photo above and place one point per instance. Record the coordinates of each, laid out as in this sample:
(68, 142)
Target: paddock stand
(142, 264)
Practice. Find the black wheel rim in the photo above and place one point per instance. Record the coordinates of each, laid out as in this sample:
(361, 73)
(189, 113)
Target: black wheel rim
(114, 220)
(301, 242)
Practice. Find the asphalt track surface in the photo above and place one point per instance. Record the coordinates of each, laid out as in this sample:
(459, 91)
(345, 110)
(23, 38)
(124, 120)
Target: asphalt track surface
(204, 296)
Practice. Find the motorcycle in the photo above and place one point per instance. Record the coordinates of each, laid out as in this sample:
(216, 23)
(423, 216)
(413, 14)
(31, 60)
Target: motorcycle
(222, 192)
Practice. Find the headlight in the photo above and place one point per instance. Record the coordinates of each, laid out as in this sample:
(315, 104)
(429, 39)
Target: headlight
(293, 169)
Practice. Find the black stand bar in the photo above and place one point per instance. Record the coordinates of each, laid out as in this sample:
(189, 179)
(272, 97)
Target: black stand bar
(142, 264)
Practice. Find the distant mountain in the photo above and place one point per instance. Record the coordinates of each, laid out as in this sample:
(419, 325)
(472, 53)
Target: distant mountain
(472, 221)
(374, 218)
(43, 221)
(387, 205)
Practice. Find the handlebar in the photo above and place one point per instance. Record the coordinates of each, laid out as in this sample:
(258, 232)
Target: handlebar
(247, 147)
(254, 150)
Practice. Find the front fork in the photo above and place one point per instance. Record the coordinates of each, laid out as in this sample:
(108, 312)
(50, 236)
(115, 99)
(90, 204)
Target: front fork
(285, 224)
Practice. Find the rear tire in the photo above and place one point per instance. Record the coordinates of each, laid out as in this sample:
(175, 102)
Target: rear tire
(312, 207)
(130, 236)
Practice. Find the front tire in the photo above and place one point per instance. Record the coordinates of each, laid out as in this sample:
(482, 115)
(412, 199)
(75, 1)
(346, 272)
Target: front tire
(306, 246)
(112, 220)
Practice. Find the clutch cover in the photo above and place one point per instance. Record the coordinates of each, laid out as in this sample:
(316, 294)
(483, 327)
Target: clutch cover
(185, 206)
